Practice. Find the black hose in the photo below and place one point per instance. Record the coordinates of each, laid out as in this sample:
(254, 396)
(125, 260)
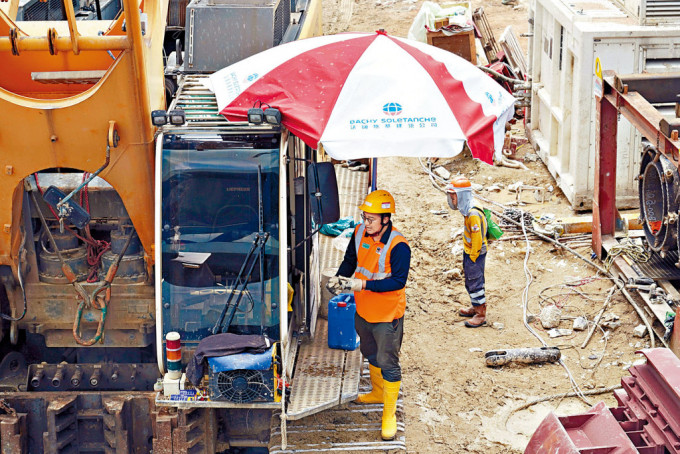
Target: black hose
(8, 288)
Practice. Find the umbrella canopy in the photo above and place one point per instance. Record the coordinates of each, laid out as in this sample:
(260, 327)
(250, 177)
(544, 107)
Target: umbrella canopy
(371, 95)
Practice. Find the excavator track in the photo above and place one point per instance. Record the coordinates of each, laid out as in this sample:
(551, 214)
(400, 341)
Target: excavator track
(350, 428)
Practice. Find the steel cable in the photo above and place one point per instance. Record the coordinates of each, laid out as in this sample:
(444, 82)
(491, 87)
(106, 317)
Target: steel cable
(525, 302)
(634, 251)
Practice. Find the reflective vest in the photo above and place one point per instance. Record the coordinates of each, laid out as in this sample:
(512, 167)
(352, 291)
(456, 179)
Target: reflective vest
(474, 235)
(373, 263)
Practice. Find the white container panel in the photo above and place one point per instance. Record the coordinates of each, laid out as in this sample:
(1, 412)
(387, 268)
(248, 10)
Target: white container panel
(567, 38)
(652, 12)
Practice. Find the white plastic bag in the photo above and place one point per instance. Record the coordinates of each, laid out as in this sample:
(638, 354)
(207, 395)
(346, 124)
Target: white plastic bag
(341, 241)
(427, 15)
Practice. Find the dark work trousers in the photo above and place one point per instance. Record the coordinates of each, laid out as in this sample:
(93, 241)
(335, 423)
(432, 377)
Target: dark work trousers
(380, 344)
(474, 278)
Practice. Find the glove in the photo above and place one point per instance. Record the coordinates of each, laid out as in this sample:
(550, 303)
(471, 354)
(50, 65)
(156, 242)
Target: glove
(334, 285)
(351, 284)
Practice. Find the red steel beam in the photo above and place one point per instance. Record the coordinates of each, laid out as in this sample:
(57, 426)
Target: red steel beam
(646, 119)
(604, 194)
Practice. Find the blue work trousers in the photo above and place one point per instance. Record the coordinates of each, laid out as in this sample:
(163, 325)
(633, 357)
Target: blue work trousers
(474, 278)
(380, 345)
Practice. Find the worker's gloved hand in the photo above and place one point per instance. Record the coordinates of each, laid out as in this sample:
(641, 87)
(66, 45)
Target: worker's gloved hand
(334, 285)
(351, 284)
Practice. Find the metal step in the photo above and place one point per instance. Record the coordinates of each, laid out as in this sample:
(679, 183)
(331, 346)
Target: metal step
(350, 428)
(323, 377)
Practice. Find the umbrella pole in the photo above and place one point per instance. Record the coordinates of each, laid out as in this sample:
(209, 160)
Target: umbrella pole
(374, 174)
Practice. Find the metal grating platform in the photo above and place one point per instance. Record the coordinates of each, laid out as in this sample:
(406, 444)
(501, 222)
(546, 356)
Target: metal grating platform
(351, 428)
(324, 377)
(198, 103)
(661, 268)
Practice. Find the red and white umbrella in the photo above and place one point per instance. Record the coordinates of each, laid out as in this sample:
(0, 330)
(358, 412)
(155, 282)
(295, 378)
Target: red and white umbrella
(371, 95)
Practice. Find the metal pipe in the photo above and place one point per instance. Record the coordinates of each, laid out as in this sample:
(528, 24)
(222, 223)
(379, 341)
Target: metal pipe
(58, 376)
(283, 277)
(96, 376)
(72, 26)
(77, 377)
(64, 44)
(135, 39)
(99, 9)
(35, 381)
(499, 75)
(374, 174)
(61, 203)
(157, 252)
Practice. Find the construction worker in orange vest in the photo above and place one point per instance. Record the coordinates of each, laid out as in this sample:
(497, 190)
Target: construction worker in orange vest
(459, 195)
(375, 268)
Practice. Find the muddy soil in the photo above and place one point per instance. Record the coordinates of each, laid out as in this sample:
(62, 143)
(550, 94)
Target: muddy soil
(453, 402)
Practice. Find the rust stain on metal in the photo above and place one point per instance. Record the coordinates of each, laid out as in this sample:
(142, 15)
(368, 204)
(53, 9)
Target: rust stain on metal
(4, 406)
(13, 439)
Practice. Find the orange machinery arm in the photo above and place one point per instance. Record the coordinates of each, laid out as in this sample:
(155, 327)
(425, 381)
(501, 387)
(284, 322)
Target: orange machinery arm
(66, 125)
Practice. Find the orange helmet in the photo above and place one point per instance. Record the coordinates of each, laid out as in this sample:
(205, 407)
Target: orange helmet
(378, 202)
(460, 182)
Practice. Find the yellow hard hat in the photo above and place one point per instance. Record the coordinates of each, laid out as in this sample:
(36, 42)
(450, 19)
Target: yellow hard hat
(378, 202)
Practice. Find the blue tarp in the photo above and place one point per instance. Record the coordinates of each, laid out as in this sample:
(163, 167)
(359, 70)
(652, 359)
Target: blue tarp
(338, 227)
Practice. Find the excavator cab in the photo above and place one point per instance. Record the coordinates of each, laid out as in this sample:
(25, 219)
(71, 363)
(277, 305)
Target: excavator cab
(219, 234)
(238, 210)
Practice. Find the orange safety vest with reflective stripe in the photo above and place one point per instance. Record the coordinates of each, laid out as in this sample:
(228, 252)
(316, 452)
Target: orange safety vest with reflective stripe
(474, 235)
(373, 263)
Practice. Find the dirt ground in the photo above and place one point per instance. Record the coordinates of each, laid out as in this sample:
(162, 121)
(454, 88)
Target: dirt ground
(453, 402)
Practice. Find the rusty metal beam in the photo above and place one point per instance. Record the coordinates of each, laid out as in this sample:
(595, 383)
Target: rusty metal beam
(670, 128)
(62, 425)
(162, 436)
(13, 438)
(655, 88)
(646, 119)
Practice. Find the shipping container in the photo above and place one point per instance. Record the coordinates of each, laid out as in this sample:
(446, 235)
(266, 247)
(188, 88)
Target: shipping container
(652, 12)
(568, 36)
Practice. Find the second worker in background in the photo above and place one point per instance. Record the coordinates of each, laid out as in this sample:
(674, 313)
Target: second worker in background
(459, 196)
(376, 267)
